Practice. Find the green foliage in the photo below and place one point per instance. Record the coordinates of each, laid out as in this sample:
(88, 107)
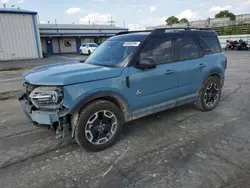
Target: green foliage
(248, 29)
(231, 31)
(184, 20)
(172, 20)
(225, 13)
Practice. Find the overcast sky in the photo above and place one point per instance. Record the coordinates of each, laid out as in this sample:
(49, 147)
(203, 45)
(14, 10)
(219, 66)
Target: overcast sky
(136, 13)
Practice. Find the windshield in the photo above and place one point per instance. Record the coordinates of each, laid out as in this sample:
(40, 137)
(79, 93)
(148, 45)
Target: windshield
(111, 53)
(93, 45)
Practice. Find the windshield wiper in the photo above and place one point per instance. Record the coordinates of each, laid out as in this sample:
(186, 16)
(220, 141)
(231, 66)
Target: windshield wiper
(105, 65)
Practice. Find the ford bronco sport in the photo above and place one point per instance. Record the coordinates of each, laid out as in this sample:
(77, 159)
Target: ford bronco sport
(131, 75)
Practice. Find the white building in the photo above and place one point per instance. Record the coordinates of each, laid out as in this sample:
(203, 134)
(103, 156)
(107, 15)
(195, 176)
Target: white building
(19, 35)
(67, 38)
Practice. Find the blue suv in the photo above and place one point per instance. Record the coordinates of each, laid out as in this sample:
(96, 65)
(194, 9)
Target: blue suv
(131, 75)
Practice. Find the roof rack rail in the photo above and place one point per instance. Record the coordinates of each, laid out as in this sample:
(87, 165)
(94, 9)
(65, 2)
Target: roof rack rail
(127, 32)
(163, 30)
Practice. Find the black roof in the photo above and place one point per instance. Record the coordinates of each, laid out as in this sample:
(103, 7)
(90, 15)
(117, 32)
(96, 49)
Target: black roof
(130, 36)
(162, 31)
(141, 35)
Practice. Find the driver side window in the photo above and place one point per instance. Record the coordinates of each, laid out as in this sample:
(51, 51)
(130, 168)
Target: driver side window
(160, 49)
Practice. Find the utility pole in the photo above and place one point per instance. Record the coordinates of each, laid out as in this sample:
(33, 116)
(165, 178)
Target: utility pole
(55, 22)
(89, 22)
(111, 21)
(124, 24)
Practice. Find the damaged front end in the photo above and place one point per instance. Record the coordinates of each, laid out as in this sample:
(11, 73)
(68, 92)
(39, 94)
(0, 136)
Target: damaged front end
(44, 107)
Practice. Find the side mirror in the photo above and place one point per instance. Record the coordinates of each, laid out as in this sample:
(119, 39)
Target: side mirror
(146, 63)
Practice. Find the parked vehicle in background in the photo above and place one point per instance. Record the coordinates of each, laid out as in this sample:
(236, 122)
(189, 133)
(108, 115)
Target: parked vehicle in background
(131, 75)
(230, 44)
(243, 45)
(88, 48)
(236, 45)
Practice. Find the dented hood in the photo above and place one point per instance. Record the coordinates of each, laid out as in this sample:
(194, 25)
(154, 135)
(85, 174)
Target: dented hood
(69, 73)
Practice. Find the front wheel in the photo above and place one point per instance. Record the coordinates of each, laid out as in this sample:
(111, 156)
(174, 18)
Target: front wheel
(99, 125)
(209, 95)
(89, 52)
(81, 52)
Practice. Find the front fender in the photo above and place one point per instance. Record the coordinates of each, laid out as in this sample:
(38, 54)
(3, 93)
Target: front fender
(76, 96)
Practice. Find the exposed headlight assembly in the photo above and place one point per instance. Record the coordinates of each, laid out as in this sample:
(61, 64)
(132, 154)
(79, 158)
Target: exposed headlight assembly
(47, 97)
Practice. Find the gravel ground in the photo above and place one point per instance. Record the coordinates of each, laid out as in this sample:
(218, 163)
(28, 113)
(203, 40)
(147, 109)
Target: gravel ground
(181, 147)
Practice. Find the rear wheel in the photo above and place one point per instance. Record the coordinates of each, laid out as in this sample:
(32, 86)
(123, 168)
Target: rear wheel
(209, 95)
(99, 125)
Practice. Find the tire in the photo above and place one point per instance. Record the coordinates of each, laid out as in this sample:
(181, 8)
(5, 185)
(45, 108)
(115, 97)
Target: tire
(81, 135)
(89, 52)
(201, 103)
(81, 52)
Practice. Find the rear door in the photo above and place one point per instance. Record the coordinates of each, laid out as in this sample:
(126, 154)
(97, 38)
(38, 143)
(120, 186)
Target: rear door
(191, 66)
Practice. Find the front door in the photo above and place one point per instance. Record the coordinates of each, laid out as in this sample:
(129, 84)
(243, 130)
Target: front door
(153, 87)
(49, 45)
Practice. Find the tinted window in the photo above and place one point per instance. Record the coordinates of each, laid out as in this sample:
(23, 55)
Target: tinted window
(159, 49)
(210, 44)
(187, 48)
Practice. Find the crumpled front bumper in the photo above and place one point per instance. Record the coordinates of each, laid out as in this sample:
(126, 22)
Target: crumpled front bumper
(39, 117)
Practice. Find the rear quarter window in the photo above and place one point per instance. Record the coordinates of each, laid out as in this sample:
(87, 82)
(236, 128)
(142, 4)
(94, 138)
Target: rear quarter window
(210, 44)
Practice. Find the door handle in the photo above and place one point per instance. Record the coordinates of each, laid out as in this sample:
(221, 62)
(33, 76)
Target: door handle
(201, 66)
(168, 72)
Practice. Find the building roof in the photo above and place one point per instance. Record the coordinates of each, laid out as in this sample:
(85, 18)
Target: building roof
(16, 11)
(78, 27)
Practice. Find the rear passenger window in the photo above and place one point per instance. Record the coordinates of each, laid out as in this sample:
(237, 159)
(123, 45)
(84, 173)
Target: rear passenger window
(210, 44)
(187, 48)
(159, 49)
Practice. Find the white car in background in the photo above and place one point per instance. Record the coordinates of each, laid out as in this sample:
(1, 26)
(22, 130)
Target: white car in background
(88, 48)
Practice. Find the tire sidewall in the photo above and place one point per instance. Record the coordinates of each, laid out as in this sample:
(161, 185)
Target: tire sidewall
(202, 97)
(86, 114)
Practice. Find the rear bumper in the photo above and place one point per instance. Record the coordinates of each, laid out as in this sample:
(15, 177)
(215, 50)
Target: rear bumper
(39, 117)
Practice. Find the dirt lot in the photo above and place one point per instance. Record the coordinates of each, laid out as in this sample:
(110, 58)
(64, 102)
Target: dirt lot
(181, 147)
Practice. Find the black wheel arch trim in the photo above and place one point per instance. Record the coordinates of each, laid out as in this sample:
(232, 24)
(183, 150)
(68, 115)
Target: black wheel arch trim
(111, 96)
(213, 74)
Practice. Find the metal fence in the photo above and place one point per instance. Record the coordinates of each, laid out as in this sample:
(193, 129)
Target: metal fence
(233, 37)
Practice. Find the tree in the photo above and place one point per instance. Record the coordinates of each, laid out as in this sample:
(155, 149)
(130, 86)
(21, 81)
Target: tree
(225, 13)
(184, 20)
(172, 20)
